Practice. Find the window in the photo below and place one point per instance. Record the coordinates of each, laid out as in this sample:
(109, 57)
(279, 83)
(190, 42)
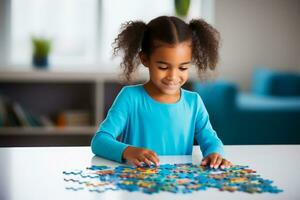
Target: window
(81, 31)
(70, 24)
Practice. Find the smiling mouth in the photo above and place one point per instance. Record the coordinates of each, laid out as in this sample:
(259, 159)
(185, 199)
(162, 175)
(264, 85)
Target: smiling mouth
(171, 86)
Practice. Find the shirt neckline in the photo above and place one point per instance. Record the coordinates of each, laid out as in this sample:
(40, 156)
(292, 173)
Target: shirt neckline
(158, 102)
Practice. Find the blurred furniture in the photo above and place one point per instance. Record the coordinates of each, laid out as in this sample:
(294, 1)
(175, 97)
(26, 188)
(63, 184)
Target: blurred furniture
(49, 93)
(267, 82)
(269, 114)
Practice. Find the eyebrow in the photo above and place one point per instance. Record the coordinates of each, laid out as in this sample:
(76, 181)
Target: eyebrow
(162, 62)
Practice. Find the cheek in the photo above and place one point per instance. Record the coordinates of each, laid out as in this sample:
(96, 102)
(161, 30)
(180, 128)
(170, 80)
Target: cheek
(155, 75)
(184, 75)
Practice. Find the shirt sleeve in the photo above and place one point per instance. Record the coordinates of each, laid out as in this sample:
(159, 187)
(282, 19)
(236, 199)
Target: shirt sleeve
(205, 135)
(104, 142)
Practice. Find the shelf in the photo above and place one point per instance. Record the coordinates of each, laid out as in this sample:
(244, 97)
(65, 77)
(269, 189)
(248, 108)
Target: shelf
(86, 130)
(32, 75)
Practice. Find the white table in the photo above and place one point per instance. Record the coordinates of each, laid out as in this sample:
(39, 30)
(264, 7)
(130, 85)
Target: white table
(36, 173)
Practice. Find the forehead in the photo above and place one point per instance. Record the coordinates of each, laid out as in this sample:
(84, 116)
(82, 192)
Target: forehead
(180, 51)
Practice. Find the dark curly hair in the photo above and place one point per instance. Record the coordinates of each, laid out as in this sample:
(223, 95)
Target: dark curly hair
(136, 36)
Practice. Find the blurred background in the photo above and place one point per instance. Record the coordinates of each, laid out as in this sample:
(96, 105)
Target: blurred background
(58, 78)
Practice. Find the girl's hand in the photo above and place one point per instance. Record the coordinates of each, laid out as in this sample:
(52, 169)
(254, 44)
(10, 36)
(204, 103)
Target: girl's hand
(215, 160)
(136, 156)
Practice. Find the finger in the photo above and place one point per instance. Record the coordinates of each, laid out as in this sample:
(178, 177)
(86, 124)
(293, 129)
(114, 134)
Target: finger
(218, 162)
(136, 162)
(229, 164)
(225, 164)
(213, 160)
(152, 158)
(153, 153)
(147, 162)
(205, 161)
(155, 156)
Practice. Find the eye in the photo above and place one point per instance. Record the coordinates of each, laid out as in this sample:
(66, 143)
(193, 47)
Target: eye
(162, 68)
(183, 68)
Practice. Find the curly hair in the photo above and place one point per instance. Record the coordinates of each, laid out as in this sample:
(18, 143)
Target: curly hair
(136, 36)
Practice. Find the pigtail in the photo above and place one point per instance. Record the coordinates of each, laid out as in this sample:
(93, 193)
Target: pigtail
(129, 43)
(205, 41)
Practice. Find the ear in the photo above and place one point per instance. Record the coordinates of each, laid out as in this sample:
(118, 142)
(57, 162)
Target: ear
(144, 59)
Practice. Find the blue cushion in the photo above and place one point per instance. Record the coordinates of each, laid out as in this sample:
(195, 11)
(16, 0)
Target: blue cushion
(269, 82)
(217, 96)
(261, 80)
(286, 85)
(240, 118)
(248, 101)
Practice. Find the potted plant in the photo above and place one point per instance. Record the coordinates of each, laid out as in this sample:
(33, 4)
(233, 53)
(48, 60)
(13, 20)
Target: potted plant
(41, 50)
(182, 7)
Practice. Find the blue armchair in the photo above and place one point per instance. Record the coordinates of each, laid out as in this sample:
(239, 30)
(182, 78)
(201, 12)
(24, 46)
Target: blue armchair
(270, 114)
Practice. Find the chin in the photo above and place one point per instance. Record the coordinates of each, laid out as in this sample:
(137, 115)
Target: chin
(170, 91)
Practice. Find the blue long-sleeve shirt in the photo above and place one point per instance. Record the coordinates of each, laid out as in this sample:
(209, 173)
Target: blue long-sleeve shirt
(167, 129)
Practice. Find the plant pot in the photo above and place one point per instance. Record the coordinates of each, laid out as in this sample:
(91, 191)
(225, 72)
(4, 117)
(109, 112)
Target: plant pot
(40, 62)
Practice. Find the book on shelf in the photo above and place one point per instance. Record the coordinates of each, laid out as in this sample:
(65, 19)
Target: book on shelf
(12, 114)
(12, 119)
(73, 118)
(20, 115)
(46, 121)
(3, 111)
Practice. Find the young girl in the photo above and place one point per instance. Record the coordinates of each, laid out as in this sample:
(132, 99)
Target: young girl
(159, 117)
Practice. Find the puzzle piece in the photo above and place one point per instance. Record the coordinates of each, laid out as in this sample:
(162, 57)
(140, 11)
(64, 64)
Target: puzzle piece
(183, 178)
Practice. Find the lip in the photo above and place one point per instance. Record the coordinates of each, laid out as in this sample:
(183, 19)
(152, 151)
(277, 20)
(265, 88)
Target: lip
(171, 86)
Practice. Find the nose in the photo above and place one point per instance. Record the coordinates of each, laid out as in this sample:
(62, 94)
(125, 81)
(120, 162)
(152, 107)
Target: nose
(171, 75)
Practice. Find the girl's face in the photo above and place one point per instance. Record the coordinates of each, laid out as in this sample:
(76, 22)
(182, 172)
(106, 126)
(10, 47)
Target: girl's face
(168, 66)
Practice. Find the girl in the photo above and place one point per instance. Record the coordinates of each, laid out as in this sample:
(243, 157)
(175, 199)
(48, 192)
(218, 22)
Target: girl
(159, 117)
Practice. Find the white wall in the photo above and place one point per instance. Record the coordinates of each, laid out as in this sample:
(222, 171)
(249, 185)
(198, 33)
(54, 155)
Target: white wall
(4, 32)
(257, 32)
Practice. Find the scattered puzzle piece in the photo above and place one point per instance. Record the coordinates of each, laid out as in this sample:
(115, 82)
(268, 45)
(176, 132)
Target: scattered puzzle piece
(184, 178)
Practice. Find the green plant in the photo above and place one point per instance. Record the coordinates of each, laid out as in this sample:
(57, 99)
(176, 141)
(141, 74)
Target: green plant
(182, 7)
(41, 47)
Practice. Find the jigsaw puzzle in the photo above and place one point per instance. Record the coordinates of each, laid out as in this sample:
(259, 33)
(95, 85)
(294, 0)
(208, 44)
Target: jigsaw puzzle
(175, 178)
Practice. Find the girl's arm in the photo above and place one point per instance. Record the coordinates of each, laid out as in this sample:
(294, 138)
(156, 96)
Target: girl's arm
(106, 146)
(104, 142)
(205, 134)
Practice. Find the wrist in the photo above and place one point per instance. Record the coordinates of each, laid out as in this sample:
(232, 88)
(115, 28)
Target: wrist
(125, 152)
